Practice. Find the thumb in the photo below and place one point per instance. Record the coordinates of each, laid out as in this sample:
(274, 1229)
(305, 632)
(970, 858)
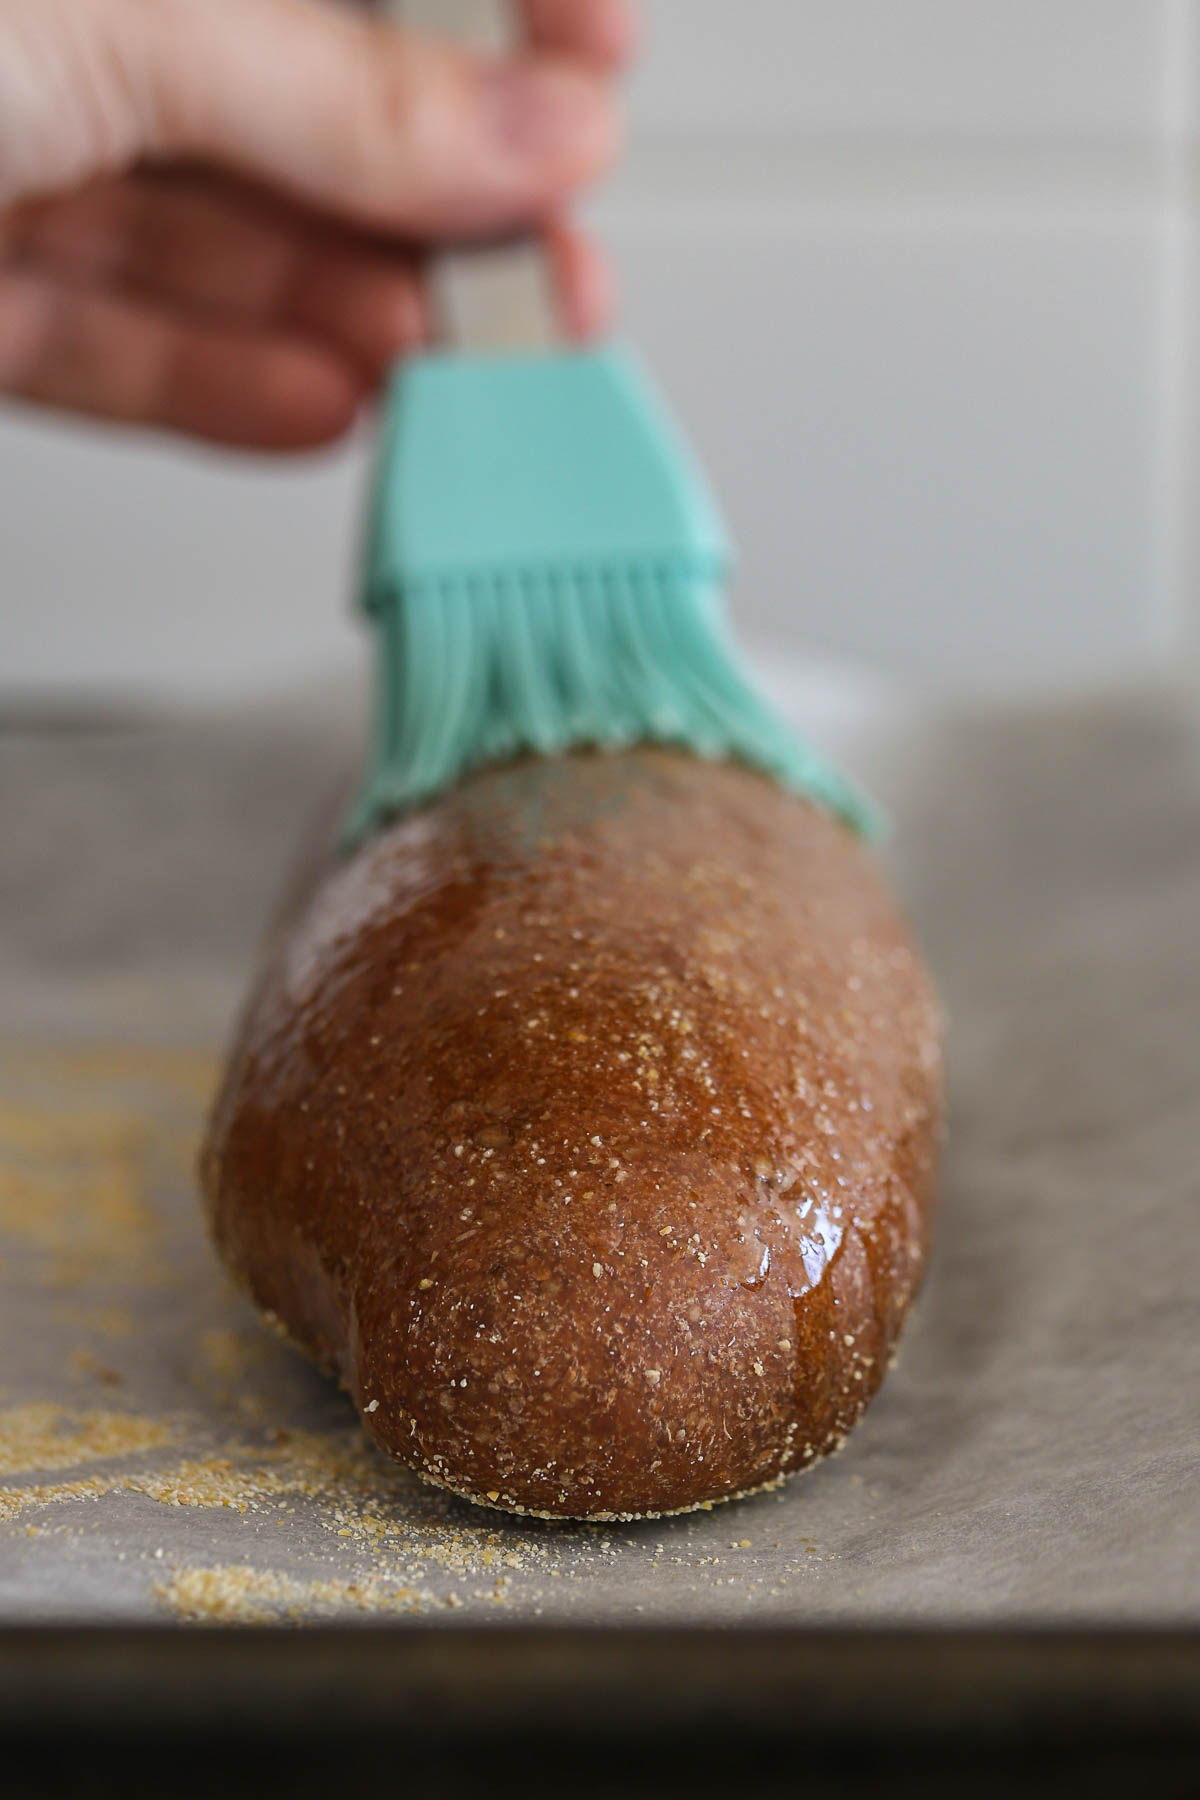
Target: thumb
(386, 129)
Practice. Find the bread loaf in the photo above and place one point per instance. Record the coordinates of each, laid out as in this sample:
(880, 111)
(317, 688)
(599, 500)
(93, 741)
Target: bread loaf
(584, 1124)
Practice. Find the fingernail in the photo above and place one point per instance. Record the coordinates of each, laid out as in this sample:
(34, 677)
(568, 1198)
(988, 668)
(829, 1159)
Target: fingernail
(537, 110)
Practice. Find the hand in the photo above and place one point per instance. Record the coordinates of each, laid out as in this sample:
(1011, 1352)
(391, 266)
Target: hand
(212, 211)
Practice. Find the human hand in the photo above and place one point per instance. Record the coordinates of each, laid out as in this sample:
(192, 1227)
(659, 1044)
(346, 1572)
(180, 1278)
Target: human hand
(212, 211)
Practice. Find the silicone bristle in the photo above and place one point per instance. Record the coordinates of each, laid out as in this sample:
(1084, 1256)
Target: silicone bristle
(545, 568)
(483, 672)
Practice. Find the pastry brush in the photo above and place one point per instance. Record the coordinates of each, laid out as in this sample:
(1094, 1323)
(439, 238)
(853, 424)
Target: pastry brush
(545, 566)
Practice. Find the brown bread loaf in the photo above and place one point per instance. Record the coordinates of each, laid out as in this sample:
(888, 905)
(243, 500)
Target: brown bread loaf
(584, 1124)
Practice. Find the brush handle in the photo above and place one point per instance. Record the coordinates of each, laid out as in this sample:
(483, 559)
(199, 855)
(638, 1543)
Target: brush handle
(490, 296)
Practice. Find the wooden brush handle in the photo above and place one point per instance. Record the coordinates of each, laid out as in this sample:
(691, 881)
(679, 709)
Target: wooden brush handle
(490, 296)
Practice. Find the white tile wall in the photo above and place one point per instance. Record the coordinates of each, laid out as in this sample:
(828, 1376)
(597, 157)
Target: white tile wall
(1040, 68)
(921, 277)
(936, 446)
(132, 566)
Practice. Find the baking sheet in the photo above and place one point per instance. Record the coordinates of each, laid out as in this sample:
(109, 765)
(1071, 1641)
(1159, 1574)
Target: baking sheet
(1031, 1460)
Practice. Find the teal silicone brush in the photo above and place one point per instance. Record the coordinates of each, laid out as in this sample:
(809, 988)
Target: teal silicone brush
(545, 564)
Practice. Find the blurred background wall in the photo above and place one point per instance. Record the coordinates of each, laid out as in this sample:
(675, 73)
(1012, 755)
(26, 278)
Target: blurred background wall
(921, 277)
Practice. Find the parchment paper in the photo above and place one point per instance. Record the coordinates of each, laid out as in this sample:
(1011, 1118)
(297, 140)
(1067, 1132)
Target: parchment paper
(1033, 1458)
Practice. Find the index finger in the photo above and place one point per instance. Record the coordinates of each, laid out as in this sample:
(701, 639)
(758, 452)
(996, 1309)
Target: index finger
(602, 32)
(379, 126)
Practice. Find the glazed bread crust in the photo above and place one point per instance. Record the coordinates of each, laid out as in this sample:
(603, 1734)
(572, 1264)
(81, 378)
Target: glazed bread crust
(585, 1125)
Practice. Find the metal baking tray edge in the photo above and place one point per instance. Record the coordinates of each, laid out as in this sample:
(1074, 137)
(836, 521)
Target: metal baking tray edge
(654, 1711)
